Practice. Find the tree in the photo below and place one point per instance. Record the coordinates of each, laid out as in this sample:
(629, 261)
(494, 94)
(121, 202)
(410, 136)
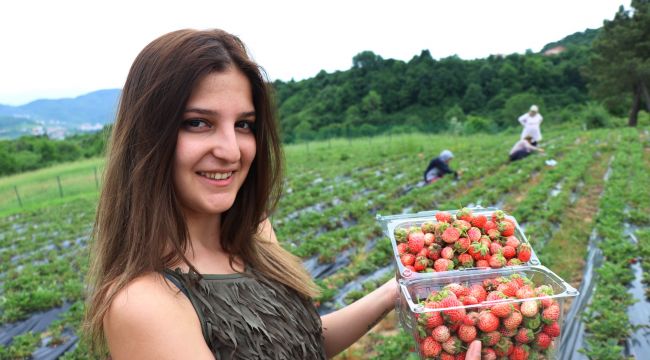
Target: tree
(620, 63)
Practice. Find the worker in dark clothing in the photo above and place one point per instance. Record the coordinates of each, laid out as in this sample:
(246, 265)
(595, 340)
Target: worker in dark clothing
(439, 166)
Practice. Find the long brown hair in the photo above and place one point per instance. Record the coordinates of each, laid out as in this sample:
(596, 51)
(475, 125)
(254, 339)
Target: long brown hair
(138, 218)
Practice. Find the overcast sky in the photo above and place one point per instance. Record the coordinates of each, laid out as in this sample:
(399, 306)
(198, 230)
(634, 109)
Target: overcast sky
(66, 48)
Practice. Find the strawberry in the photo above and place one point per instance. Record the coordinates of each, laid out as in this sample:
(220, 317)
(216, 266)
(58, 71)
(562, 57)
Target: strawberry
(458, 289)
(464, 214)
(488, 354)
(489, 225)
(478, 250)
(462, 245)
(524, 336)
(465, 260)
(478, 220)
(513, 262)
(525, 292)
(447, 356)
(474, 234)
(520, 352)
(447, 253)
(506, 228)
(542, 341)
(513, 321)
(495, 248)
(408, 259)
(462, 225)
(421, 263)
(503, 347)
(450, 235)
(508, 252)
(429, 239)
(529, 308)
(402, 248)
(493, 234)
(443, 216)
(487, 321)
(552, 330)
(452, 345)
(478, 292)
(502, 310)
(428, 227)
(533, 323)
(416, 241)
(443, 264)
(497, 261)
(424, 252)
(468, 300)
(509, 333)
(466, 333)
(551, 314)
(482, 263)
(440, 333)
(512, 241)
(430, 348)
(490, 338)
(400, 235)
(508, 288)
(431, 320)
(524, 252)
(471, 318)
(495, 295)
(452, 315)
(498, 216)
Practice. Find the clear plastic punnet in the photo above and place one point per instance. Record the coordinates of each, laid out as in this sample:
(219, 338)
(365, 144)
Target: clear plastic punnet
(459, 257)
(513, 311)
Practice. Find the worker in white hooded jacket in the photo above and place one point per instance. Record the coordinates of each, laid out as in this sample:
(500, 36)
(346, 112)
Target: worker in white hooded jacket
(531, 122)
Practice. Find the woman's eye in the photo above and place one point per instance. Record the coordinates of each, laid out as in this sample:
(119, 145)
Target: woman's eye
(246, 125)
(195, 124)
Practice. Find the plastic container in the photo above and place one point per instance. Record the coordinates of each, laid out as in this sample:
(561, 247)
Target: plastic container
(414, 314)
(392, 222)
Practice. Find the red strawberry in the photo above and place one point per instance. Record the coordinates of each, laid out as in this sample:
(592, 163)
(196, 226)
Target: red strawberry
(416, 241)
(478, 292)
(478, 220)
(462, 244)
(506, 228)
(493, 234)
(487, 321)
(450, 235)
(489, 225)
(495, 295)
(443, 265)
(529, 308)
(468, 300)
(478, 250)
(458, 289)
(513, 321)
(524, 336)
(428, 227)
(443, 216)
(482, 263)
(447, 252)
(495, 248)
(402, 248)
(462, 225)
(408, 259)
(525, 292)
(552, 330)
(502, 310)
(551, 314)
(512, 241)
(440, 333)
(508, 252)
(497, 261)
(452, 315)
(465, 260)
(524, 252)
(490, 338)
(542, 341)
(474, 234)
(464, 214)
(508, 288)
(421, 263)
(498, 215)
(467, 333)
(520, 352)
(509, 333)
(431, 320)
(430, 348)
(471, 318)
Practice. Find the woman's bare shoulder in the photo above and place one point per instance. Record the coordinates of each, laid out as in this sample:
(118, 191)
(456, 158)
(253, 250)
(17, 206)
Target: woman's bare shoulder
(151, 318)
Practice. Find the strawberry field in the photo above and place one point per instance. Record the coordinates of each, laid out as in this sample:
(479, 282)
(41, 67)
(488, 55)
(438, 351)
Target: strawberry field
(587, 219)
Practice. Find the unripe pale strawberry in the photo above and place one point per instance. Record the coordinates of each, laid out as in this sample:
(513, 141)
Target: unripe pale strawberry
(529, 308)
(447, 253)
(428, 227)
(440, 333)
(452, 345)
(400, 235)
(402, 248)
(443, 264)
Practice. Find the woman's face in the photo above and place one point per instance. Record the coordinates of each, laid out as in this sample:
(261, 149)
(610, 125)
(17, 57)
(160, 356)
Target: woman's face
(216, 143)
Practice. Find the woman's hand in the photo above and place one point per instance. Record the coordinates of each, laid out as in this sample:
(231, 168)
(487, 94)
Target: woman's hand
(474, 351)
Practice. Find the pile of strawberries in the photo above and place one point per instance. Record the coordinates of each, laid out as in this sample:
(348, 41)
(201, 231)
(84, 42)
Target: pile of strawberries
(459, 241)
(515, 329)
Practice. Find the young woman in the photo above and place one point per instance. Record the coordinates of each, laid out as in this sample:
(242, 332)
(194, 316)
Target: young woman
(185, 264)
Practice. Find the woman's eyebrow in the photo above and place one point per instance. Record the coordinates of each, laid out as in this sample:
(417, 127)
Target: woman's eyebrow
(215, 113)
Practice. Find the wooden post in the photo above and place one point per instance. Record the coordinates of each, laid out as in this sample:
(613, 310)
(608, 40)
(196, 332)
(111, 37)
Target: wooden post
(58, 180)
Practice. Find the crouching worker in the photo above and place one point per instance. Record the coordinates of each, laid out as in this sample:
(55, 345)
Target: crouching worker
(523, 148)
(439, 166)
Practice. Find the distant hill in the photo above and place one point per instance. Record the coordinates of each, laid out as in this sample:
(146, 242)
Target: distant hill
(577, 39)
(59, 117)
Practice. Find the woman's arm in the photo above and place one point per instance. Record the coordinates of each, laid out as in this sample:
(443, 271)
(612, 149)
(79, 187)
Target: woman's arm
(150, 320)
(344, 327)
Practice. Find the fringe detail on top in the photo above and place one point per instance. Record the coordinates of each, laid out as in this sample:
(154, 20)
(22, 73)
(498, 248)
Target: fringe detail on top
(252, 317)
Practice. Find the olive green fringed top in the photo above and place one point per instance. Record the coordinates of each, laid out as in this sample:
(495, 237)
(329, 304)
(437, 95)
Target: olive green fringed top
(248, 316)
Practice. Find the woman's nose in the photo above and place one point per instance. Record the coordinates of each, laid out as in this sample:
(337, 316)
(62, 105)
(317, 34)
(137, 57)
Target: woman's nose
(226, 145)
